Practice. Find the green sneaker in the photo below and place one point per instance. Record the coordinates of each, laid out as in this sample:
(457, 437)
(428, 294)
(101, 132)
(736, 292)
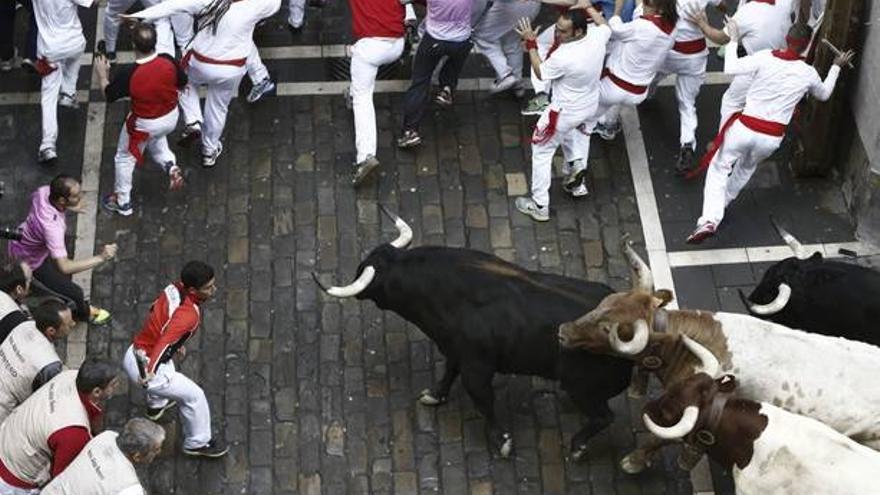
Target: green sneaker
(100, 317)
(536, 105)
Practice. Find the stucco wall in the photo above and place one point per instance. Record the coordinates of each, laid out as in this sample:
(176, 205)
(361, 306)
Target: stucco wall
(866, 101)
(862, 169)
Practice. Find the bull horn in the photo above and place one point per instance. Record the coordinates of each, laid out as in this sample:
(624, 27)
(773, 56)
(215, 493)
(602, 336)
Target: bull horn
(643, 280)
(709, 363)
(796, 247)
(684, 426)
(352, 289)
(406, 232)
(782, 297)
(634, 346)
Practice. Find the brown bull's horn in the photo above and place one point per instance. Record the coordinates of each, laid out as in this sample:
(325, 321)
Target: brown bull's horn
(634, 346)
(406, 232)
(796, 247)
(777, 305)
(352, 289)
(684, 426)
(643, 280)
(709, 363)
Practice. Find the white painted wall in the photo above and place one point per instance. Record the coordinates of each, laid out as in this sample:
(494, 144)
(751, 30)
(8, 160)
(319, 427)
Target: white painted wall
(866, 100)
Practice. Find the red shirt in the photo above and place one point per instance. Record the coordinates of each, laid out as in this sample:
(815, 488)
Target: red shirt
(152, 84)
(174, 318)
(376, 18)
(65, 445)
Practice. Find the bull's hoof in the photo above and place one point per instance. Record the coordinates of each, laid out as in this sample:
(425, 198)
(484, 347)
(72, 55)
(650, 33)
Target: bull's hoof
(506, 445)
(635, 462)
(427, 398)
(579, 452)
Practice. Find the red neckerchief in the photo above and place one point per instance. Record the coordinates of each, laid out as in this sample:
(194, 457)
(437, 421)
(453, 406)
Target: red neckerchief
(92, 409)
(661, 23)
(553, 47)
(786, 54)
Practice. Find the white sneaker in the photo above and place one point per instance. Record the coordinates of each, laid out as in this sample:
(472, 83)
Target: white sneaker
(209, 160)
(527, 206)
(260, 89)
(68, 101)
(47, 156)
(503, 84)
(607, 132)
(579, 191)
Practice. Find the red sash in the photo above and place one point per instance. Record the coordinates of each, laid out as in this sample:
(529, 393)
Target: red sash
(237, 62)
(541, 136)
(135, 138)
(762, 126)
(661, 23)
(690, 47)
(625, 85)
(43, 67)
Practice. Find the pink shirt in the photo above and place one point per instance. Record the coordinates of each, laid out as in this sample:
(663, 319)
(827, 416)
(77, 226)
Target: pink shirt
(42, 232)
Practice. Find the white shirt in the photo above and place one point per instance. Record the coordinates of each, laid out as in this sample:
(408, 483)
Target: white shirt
(574, 68)
(778, 85)
(60, 33)
(642, 50)
(235, 31)
(686, 30)
(763, 26)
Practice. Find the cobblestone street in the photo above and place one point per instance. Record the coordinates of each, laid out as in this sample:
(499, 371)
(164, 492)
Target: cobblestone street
(317, 395)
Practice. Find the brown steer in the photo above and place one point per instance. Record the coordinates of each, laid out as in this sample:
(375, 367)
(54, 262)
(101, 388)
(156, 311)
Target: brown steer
(768, 450)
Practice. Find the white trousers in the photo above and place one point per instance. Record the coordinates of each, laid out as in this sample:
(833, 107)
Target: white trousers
(6, 489)
(575, 145)
(168, 384)
(734, 99)
(495, 38)
(256, 69)
(156, 145)
(222, 83)
(164, 36)
(545, 41)
(367, 55)
(741, 152)
(60, 80)
(611, 96)
(690, 72)
(296, 12)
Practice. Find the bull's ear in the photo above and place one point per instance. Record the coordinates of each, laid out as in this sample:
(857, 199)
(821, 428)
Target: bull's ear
(726, 383)
(662, 297)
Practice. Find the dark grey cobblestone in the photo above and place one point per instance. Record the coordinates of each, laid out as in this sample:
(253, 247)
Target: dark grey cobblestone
(315, 395)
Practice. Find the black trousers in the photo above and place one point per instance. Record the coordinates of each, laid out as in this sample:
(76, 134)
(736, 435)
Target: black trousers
(51, 277)
(7, 30)
(429, 54)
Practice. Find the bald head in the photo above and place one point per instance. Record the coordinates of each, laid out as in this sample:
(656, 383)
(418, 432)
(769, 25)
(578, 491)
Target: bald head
(143, 37)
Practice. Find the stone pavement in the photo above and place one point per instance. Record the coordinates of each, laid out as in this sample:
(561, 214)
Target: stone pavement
(317, 395)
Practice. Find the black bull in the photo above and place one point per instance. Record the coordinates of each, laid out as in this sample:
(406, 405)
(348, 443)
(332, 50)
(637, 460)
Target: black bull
(811, 293)
(486, 316)
(827, 297)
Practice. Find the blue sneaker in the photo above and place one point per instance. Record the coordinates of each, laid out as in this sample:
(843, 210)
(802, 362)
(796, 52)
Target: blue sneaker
(110, 203)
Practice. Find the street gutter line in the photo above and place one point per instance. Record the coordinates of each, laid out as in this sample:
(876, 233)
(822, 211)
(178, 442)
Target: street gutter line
(86, 224)
(318, 88)
(655, 244)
